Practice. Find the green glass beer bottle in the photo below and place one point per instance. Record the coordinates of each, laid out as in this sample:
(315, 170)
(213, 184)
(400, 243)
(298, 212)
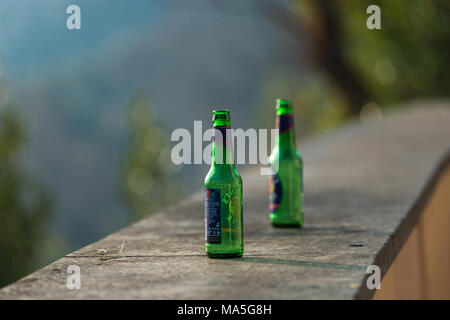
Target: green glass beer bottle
(223, 195)
(286, 181)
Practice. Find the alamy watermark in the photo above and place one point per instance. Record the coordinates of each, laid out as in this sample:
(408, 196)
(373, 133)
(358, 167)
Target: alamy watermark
(73, 21)
(251, 143)
(374, 20)
(73, 280)
(374, 280)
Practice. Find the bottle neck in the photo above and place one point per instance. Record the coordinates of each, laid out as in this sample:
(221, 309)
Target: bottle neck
(222, 150)
(285, 125)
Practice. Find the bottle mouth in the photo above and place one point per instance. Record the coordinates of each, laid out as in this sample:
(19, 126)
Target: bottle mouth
(221, 114)
(284, 103)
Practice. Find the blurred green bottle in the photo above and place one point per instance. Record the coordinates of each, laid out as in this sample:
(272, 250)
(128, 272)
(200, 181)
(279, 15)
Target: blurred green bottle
(286, 181)
(223, 195)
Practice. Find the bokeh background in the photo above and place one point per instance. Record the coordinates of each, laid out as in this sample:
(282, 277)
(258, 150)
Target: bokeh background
(86, 115)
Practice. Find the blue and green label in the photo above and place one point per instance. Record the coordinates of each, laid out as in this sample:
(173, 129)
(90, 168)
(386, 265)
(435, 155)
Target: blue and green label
(275, 192)
(213, 226)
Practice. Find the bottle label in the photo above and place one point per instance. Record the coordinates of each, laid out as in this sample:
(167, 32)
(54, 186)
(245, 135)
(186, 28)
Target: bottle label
(285, 122)
(212, 216)
(275, 192)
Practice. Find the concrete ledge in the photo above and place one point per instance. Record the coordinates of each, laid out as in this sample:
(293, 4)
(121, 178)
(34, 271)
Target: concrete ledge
(365, 187)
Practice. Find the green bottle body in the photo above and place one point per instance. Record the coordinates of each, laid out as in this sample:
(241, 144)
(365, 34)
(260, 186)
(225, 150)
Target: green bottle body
(286, 181)
(223, 197)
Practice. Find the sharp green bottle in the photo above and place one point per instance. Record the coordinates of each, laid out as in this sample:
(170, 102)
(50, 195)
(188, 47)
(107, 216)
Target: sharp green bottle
(223, 195)
(286, 182)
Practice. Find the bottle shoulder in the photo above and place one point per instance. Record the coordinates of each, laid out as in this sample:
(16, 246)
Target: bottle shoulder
(286, 154)
(222, 176)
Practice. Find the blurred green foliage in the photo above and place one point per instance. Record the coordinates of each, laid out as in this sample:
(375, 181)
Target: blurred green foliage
(352, 67)
(318, 104)
(408, 57)
(24, 206)
(147, 180)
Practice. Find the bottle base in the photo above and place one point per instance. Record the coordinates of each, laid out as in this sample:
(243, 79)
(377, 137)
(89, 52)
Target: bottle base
(295, 225)
(224, 255)
(278, 221)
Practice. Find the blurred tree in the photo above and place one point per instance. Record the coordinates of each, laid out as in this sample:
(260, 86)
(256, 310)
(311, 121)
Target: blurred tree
(148, 168)
(24, 206)
(322, 22)
(407, 58)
